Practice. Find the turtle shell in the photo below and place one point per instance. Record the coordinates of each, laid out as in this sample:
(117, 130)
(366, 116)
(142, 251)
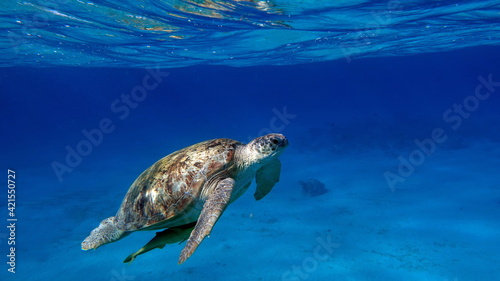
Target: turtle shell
(168, 193)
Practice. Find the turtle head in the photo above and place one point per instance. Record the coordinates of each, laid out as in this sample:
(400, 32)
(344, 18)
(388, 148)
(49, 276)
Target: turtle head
(266, 148)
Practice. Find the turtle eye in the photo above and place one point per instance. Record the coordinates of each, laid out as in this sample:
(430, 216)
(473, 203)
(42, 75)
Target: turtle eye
(275, 141)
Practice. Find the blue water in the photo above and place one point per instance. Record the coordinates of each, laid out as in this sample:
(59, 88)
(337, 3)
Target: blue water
(393, 106)
(236, 33)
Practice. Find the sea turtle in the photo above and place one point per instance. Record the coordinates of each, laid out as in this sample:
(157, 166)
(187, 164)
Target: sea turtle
(194, 184)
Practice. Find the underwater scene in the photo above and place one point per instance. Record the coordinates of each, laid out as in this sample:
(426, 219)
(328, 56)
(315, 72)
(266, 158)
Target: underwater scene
(250, 140)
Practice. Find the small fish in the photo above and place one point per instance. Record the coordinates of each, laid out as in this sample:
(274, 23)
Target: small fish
(172, 235)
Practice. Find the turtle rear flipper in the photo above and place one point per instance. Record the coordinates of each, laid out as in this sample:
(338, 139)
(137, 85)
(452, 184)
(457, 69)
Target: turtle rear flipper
(105, 233)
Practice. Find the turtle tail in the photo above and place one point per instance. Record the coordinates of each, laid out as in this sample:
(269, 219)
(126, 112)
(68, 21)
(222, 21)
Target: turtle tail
(105, 233)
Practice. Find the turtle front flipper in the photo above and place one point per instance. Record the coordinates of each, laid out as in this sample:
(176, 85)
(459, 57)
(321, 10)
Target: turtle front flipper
(105, 233)
(212, 209)
(266, 177)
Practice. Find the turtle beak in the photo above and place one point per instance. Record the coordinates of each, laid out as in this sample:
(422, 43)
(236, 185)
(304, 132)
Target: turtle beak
(284, 142)
(278, 140)
(270, 145)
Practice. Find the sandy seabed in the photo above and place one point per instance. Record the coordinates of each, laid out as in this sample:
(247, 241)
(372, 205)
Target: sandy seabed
(440, 224)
